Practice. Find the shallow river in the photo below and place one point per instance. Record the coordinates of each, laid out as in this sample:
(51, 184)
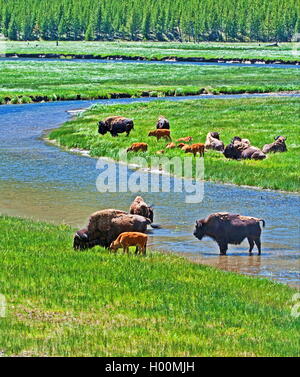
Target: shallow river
(43, 182)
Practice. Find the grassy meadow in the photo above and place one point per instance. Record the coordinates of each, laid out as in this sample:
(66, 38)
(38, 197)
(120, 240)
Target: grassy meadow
(92, 303)
(158, 50)
(27, 81)
(257, 119)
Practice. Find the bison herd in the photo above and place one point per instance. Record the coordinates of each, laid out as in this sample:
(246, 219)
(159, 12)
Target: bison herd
(114, 229)
(237, 149)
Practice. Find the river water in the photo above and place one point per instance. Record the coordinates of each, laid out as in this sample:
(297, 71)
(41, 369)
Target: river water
(43, 182)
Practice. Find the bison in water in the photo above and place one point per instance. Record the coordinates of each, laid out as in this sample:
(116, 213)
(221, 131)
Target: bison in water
(226, 228)
(105, 226)
(140, 207)
(213, 142)
(277, 146)
(115, 125)
(162, 123)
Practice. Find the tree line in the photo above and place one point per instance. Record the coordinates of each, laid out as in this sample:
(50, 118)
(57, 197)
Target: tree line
(157, 20)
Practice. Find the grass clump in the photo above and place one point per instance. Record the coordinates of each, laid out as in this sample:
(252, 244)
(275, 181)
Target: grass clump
(66, 303)
(259, 120)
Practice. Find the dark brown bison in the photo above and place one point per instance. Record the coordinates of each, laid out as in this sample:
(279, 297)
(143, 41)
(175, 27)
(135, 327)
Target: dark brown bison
(115, 125)
(162, 123)
(226, 228)
(213, 142)
(140, 207)
(105, 226)
(242, 149)
(277, 146)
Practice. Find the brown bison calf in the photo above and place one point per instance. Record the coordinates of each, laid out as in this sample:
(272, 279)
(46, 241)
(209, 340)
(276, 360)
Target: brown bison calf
(171, 146)
(194, 148)
(160, 134)
(226, 228)
(185, 139)
(136, 147)
(127, 239)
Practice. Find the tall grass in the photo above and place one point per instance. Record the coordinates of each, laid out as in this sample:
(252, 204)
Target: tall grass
(66, 303)
(259, 120)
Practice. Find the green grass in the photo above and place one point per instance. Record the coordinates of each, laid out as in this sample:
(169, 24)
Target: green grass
(158, 50)
(259, 120)
(66, 303)
(27, 81)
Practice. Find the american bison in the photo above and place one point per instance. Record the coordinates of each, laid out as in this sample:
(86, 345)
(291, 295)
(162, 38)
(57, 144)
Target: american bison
(136, 147)
(140, 207)
(160, 134)
(127, 239)
(105, 226)
(162, 123)
(194, 148)
(226, 228)
(242, 149)
(171, 146)
(277, 146)
(115, 125)
(213, 142)
(186, 139)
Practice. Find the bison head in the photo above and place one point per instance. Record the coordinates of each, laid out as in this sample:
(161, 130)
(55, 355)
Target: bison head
(102, 129)
(280, 139)
(150, 213)
(199, 231)
(215, 135)
(232, 152)
(81, 240)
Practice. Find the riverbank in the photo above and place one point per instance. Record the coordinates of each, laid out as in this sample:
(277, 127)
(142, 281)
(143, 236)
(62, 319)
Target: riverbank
(257, 119)
(92, 303)
(282, 53)
(26, 81)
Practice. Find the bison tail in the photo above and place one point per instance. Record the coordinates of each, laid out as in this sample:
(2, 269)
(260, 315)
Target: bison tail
(263, 222)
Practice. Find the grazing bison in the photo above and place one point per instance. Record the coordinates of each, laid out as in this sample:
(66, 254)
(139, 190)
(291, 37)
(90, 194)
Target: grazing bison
(213, 142)
(140, 207)
(185, 139)
(162, 123)
(226, 228)
(105, 226)
(115, 125)
(136, 147)
(194, 148)
(160, 134)
(277, 146)
(127, 239)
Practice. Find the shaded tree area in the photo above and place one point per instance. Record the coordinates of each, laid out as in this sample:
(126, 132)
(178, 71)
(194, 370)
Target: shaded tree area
(155, 20)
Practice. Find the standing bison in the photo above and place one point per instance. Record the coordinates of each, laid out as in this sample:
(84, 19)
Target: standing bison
(140, 207)
(226, 228)
(162, 123)
(115, 125)
(277, 146)
(105, 226)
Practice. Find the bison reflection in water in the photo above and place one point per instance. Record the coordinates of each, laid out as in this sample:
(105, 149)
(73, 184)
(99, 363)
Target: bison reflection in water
(226, 228)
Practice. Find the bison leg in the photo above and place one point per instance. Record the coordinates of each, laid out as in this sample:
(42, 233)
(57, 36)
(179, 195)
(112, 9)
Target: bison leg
(136, 250)
(251, 243)
(258, 244)
(223, 248)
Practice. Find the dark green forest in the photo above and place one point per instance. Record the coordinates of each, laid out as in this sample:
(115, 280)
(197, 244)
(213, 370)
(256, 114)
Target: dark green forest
(162, 20)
